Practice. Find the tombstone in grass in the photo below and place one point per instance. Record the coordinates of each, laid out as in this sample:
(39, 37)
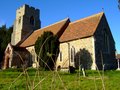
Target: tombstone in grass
(71, 69)
(83, 71)
(118, 61)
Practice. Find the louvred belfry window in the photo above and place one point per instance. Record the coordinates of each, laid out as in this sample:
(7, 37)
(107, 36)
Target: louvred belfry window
(32, 20)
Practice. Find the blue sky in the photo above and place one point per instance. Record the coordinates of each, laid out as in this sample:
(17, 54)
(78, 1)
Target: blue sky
(52, 11)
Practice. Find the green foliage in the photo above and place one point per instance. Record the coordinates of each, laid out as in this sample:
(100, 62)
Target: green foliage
(47, 48)
(5, 38)
(119, 4)
(83, 58)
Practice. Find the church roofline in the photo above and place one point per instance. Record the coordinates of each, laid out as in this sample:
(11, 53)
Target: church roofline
(88, 21)
(91, 16)
(53, 24)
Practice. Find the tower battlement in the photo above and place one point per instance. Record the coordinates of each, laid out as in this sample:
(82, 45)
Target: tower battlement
(26, 9)
(27, 6)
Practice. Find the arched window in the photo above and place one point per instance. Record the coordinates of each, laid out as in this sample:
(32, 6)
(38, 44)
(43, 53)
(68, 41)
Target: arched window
(32, 20)
(72, 54)
(19, 20)
(33, 55)
(60, 56)
(8, 50)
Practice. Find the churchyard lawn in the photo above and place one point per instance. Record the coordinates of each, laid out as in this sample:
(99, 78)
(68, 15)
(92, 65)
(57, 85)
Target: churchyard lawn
(32, 79)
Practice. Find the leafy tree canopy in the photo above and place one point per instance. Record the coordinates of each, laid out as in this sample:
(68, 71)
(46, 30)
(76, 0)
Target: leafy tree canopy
(119, 4)
(47, 48)
(5, 38)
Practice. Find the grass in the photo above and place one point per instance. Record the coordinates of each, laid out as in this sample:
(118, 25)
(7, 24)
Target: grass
(51, 80)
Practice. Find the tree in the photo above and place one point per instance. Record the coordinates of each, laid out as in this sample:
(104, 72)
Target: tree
(5, 38)
(119, 4)
(47, 49)
(83, 58)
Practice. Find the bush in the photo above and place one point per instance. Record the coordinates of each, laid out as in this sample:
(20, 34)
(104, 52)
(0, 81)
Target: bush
(47, 48)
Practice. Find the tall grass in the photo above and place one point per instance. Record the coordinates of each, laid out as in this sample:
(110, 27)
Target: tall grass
(49, 80)
(39, 79)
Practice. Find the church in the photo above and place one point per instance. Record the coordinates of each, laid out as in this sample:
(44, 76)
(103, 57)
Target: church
(87, 42)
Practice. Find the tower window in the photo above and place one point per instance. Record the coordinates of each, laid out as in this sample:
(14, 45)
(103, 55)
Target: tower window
(19, 21)
(60, 56)
(32, 20)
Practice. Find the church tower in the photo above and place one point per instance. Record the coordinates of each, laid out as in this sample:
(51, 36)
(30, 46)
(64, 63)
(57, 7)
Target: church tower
(27, 20)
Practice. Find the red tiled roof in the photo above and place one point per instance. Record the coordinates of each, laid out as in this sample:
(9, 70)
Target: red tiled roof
(82, 28)
(79, 29)
(55, 28)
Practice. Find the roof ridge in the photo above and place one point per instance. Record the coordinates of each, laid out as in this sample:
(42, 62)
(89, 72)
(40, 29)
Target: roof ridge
(53, 24)
(98, 14)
